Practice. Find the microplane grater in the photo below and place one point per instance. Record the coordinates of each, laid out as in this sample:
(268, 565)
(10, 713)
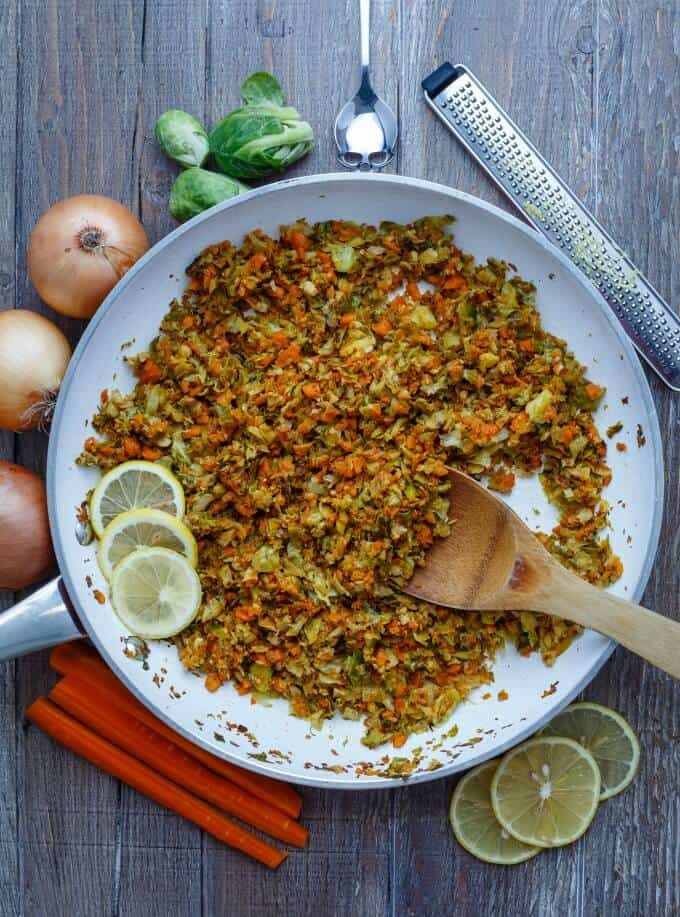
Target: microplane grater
(515, 165)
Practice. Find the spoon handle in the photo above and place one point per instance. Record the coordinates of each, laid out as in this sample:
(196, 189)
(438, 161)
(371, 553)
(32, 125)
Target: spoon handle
(365, 15)
(646, 633)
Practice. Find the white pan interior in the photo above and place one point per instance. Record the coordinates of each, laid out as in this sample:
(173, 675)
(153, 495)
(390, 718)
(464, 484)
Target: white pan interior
(263, 736)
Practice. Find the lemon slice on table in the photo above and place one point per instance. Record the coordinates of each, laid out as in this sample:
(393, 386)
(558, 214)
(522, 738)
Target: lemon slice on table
(135, 485)
(139, 528)
(474, 825)
(607, 736)
(155, 592)
(546, 791)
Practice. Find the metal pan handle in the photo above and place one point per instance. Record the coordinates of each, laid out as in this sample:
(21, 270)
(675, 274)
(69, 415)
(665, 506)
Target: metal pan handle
(43, 619)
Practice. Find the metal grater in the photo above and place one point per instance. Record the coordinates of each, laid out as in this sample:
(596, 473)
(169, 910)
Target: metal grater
(500, 147)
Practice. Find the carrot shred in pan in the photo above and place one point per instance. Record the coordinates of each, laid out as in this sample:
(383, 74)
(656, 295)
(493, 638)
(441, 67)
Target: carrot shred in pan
(78, 738)
(82, 660)
(91, 706)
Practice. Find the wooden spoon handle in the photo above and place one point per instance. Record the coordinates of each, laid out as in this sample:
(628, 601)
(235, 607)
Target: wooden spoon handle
(650, 635)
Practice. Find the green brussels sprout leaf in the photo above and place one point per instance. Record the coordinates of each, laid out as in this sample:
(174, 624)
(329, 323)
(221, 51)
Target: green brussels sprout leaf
(263, 90)
(182, 138)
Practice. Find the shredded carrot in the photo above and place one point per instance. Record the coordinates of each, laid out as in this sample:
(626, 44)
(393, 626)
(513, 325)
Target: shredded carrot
(289, 355)
(594, 391)
(299, 242)
(454, 282)
(382, 327)
(258, 260)
(149, 372)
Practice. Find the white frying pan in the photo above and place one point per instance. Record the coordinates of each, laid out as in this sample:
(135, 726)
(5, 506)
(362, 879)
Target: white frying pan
(263, 736)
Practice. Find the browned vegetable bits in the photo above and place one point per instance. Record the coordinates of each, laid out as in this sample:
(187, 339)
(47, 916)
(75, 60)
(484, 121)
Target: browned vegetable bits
(309, 392)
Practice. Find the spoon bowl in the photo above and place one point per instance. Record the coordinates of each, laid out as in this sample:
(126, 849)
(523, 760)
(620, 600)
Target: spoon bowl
(366, 127)
(491, 561)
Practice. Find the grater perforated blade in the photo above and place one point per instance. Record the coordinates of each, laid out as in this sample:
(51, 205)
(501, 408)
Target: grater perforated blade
(516, 166)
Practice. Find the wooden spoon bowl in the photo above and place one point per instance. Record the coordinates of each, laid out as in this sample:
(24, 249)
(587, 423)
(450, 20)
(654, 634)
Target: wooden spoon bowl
(492, 561)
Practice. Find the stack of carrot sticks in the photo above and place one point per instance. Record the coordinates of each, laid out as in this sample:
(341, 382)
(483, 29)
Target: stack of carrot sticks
(93, 714)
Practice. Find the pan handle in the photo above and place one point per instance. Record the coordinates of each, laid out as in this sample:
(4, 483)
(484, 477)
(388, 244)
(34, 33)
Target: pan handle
(43, 619)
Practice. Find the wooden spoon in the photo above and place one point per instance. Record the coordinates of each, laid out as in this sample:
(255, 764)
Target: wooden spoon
(492, 561)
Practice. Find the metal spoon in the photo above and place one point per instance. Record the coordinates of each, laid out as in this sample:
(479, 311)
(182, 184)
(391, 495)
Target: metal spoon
(366, 128)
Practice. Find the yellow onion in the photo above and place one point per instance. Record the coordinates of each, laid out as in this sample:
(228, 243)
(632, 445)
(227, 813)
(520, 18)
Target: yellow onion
(80, 249)
(34, 355)
(26, 554)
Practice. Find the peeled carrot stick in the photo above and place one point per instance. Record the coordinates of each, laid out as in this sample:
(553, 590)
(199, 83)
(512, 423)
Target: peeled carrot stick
(89, 704)
(107, 757)
(80, 659)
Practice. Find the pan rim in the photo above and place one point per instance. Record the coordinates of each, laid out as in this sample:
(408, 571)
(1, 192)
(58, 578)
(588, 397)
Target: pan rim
(332, 781)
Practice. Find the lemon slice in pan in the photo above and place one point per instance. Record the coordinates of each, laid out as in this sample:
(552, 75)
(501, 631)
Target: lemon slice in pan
(155, 592)
(138, 528)
(135, 485)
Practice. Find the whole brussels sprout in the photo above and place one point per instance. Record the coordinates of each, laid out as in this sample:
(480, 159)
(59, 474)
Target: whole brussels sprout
(264, 136)
(182, 138)
(197, 189)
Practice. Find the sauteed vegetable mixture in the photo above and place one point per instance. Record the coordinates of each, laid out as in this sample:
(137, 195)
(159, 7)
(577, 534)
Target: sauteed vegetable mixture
(309, 392)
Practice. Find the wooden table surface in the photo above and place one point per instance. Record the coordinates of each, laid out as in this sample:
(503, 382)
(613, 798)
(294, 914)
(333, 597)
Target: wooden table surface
(596, 84)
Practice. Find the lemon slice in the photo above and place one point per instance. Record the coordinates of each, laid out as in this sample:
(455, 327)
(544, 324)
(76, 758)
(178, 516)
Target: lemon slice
(474, 825)
(155, 592)
(139, 528)
(545, 792)
(607, 736)
(135, 485)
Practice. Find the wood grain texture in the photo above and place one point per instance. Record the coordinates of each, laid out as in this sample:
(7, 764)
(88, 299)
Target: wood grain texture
(595, 85)
(78, 82)
(9, 835)
(638, 846)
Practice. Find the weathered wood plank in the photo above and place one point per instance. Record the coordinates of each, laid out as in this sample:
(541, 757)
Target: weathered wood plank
(160, 854)
(633, 859)
(174, 76)
(344, 871)
(80, 129)
(9, 831)
(315, 55)
(536, 57)
(78, 92)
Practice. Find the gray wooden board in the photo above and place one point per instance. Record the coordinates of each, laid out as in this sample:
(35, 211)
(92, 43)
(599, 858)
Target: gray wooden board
(596, 84)
(9, 852)
(78, 87)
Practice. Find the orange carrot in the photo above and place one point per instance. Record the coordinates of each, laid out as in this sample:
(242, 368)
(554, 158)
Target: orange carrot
(382, 327)
(149, 372)
(68, 732)
(454, 282)
(90, 705)
(258, 260)
(299, 242)
(78, 658)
